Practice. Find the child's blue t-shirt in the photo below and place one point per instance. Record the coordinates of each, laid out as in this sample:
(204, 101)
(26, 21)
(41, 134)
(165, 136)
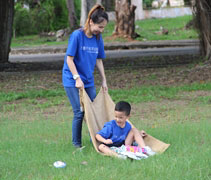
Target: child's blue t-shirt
(85, 51)
(117, 134)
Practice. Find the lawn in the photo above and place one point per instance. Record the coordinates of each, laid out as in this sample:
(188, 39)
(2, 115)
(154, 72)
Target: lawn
(35, 130)
(147, 29)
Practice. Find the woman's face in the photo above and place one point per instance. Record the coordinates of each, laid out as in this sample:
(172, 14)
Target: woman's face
(97, 28)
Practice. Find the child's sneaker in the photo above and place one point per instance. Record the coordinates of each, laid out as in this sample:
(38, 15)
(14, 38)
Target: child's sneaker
(130, 155)
(118, 150)
(121, 156)
(148, 151)
(141, 155)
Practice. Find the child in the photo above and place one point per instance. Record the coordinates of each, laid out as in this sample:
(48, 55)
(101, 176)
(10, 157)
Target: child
(119, 132)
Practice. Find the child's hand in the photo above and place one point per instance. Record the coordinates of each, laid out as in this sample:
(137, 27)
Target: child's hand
(143, 133)
(108, 141)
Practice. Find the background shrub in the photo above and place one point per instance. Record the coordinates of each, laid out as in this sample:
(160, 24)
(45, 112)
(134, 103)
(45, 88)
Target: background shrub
(60, 19)
(147, 3)
(22, 21)
(45, 16)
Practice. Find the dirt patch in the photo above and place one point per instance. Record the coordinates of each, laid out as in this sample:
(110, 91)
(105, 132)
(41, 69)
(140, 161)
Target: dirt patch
(124, 77)
(195, 94)
(147, 115)
(129, 77)
(116, 38)
(164, 113)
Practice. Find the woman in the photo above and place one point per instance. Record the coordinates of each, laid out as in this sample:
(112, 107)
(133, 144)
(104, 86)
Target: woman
(85, 50)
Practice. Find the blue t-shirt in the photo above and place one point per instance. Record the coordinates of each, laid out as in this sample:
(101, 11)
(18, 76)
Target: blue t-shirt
(85, 51)
(117, 134)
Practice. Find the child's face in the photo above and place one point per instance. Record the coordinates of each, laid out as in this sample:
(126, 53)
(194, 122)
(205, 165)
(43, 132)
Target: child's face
(120, 118)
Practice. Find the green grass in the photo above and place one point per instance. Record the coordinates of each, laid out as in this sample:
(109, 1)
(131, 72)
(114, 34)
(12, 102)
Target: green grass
(146, 28)
(149, 28)
(35, 131)
(137, 94)
(155, 93)
(176, 29)
(31, 94)
(35, 40)
(29, 146)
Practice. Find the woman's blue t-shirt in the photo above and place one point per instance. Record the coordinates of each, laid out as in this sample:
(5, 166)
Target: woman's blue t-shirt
(85, 51)
(117, 134)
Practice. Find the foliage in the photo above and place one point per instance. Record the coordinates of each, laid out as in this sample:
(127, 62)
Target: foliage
(36, 20)
(77, 5)
(60, 19)
(147, 3)
(187, 2)
(22, 21)
(45, 16)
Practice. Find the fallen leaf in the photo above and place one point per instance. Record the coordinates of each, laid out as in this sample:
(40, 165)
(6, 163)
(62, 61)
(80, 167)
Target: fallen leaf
(84, 162)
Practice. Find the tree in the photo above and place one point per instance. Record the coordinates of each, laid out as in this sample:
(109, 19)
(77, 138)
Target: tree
(99, 1)
(125, 19)
(6, 19)
(202, 13)
(86, 5)
(139, 13)
(72, 15)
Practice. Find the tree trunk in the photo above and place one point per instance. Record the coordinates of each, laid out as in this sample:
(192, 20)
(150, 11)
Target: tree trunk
(125, 19)
(72, 15)
(86, 5)
(6, 19)
(99, 2)
(108, 5)
(139, 13)
(202, 13)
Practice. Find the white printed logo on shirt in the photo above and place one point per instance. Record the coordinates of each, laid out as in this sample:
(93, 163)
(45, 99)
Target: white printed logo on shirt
(90, 49)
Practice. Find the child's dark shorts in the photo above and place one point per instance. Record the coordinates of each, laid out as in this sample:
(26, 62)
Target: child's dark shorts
(115, 144)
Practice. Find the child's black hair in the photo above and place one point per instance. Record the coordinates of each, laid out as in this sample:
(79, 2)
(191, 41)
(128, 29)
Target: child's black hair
(123, 106)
